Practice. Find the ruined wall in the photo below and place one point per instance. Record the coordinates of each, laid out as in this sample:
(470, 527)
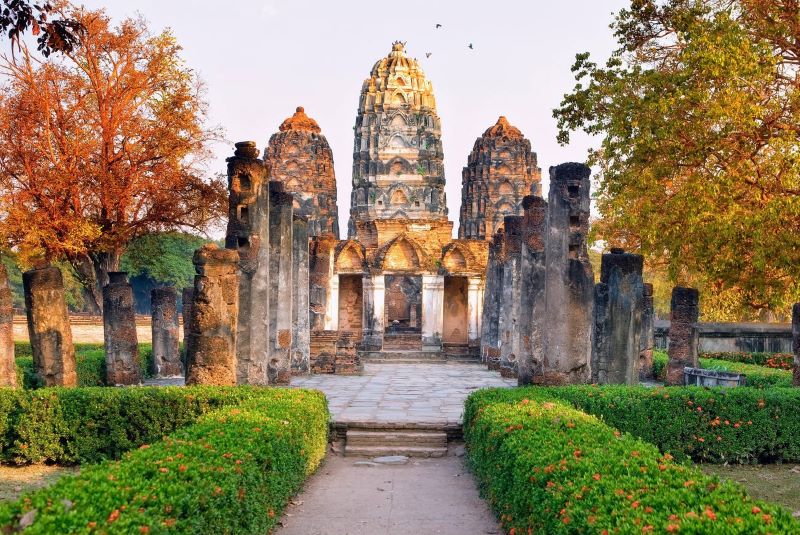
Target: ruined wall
(490, 324)
(300, 308)
(187, 294)
(796, 343)
(501, 170)
(48, 326)
(647, 337)
(618, 310)
(248, 234)
(320, 272)
(211, 351)
(350, 303)
(8, 365)
(300, 158)
(511, 287)
(119, 332)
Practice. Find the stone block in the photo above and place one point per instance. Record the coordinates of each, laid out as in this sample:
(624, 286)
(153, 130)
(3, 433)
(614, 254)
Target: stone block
(683, 334)
(119, 332)
(166, 354)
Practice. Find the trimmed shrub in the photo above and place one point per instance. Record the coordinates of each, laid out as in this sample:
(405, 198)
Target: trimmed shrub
(734, 425)
(548, 468)
(781, 361)
(90, 364)
(232, 471)
(79, 425)
(757, 376)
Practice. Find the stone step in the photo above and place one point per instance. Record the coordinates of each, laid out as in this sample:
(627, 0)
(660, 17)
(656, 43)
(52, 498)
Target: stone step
(428, 439)
(409, 356)
(381, 451)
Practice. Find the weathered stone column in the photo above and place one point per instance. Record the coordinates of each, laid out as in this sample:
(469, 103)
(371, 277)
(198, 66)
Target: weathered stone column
(530, 362)
(320, 273)
(490, 322)
(683, 316)
(618, 307)
(301, 335)
(374, 288)
(280, 284)
(432, 312)
(48, 326)
(475, 291)
(8, 365)
(570, 280)
(119, 332)
(187, 294)
(166, 354)
(332, 308)
(211, 351)
(796, 343)
(510, 295)
(248, 234)
(647, 339)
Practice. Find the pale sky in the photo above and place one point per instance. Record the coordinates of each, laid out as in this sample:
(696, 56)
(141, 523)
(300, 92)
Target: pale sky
(262, 58)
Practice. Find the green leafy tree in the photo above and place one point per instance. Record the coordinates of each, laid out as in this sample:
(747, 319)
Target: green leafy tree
(166, 258)
(698, 110)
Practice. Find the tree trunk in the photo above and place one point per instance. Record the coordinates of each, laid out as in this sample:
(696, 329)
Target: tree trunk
(92, 271)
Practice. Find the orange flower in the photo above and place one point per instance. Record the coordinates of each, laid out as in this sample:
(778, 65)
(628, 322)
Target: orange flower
(756, 509)
(766, 518)
(672, 528)
(710, 514)
(217, 491)
(688, 483)
(163, 470)
(144, 529)
(113, 516)
(183, 468)
(169, 522)
(596, 477)
(635, 504)
(565, 520)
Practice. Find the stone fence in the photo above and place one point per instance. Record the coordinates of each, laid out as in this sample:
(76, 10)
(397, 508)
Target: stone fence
(731, 337)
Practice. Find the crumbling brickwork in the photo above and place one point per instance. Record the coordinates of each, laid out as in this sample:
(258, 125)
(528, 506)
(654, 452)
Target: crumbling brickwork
(683, 317)
(211, 355)
(48, 326)
(119, 332)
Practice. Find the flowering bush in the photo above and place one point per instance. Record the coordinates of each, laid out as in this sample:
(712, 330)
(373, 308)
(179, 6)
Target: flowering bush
(70, 425)
(232, 471)
(735, 425)
(548, 468)
(757, 376)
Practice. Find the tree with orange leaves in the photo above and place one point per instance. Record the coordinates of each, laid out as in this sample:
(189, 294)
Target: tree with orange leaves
(102, 144)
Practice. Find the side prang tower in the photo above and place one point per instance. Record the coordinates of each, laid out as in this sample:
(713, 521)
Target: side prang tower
(500, 172)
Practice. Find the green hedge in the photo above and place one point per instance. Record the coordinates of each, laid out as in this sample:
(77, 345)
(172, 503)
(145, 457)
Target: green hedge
(782, 361)
(79, 425)
(548, 468)
(232, 471)
(757, 376)
(90, 363)
(734, 425)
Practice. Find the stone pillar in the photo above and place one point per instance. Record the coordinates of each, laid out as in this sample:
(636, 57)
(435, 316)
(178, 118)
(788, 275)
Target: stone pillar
(511, 287)
(211, 349)
(166, 356)
(683, 316)
(248, 234)
(119, 332)
(647, 339)
(8, 365)
(570, 280)
(301, 335)
(432, 312)
(490, 322)
(374, 288)
(796, 343)
(320, 273)
(475, 289)
(618, 307)
(48, 327)
(187, 294)
(332, 308)
(530, 362)
(281, 296)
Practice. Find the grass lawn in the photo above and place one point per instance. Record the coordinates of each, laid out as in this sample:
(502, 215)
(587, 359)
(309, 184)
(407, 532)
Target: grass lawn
(776, 483)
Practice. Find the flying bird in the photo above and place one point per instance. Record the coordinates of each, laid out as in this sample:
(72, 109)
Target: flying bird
(438, 25)
(428, 54)
(470, 47)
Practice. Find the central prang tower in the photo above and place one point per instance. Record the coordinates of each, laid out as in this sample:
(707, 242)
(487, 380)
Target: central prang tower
(398, 173)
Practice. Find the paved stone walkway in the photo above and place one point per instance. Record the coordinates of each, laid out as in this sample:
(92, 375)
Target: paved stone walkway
(422, 497)
(403, 393)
